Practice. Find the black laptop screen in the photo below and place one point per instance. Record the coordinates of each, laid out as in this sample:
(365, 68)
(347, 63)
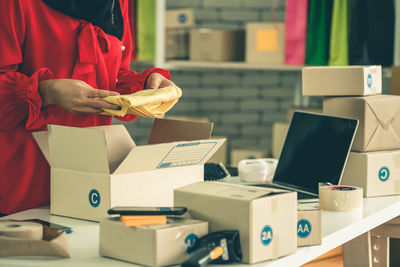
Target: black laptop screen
(315, 150)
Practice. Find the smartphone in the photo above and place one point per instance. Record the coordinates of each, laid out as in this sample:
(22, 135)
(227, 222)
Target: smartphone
(66, 229)
(147, 210)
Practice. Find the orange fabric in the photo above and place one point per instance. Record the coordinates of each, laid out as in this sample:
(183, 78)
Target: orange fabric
(139, 220)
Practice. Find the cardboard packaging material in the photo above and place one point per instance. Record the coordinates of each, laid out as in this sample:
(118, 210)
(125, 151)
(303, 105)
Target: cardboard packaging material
(222, 153)
(177, 43)
(379, 127)
(265, 42)
(94, 169)
(342, 80)
(239, 154)
(279, 132)
(179, 18)
(378, 173)
(216, 45)
(265, 218)
(152, 245)
(309, 229)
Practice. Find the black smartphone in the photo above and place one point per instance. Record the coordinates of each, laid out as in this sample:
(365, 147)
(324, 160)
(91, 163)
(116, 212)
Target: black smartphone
(147, 210)
(66, 229)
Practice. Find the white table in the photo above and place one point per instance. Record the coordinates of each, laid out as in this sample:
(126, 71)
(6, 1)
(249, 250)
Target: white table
(337, 229)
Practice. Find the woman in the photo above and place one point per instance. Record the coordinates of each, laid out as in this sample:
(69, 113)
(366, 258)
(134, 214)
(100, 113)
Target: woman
(57, 56)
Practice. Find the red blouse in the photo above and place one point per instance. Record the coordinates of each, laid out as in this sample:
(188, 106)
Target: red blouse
(39, 43)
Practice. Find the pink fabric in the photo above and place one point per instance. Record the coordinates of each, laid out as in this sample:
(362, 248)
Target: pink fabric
(296, 31)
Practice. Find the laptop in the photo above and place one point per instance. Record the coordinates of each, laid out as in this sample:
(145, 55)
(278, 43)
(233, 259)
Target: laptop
(315, 150)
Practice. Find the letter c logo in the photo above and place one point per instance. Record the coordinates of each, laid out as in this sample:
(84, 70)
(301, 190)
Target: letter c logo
(94, 198)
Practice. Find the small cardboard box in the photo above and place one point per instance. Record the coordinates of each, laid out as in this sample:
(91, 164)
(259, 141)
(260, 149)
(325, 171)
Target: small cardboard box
(179, 18)
(265, 42)
(379, 127)
(239, 154)
(94, 169)
(152, 245)
(279, 132)
(378, 173)
(341, 81)
(265, 217)
(177, 43)
(309, 229)
(216, 45)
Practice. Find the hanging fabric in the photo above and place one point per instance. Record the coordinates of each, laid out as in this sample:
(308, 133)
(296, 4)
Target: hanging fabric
(338, 50)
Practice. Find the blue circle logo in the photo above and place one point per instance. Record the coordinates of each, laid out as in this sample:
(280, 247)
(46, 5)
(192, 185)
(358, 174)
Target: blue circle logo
(303, 228)
(384, 174)
(369, 80)
(190, 241)
(94, 198)
(266, 235)
(182, 18)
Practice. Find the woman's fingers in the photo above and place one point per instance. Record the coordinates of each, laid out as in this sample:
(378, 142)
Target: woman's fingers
(100, 104)
(93, 93)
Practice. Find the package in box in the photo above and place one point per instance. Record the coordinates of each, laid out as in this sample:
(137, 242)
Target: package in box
(179, 18)
(265, 42)
(279, 132)
(94, 169)
(378, 173)
(342, 80)
(309, 230)
(265, 218)
(177, 43)
(238, 154)
(216, 45)
(379, 127)
(152, 245)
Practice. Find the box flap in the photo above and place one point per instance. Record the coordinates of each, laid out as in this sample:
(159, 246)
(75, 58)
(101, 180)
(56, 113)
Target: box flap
(167, 130)
(175, 154)
(82, 149)
(42, 140)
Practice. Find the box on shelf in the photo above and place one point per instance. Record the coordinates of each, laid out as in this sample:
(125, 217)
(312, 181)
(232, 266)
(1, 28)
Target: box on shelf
(179, 18)
(152, 245)
(279, 132)
(378, 173)
(265, 42)
(177, 43)
(216, 45)
(309, 228)
(265, 218)
(222, 153)
(342, 80)
(94, 169)
(239, 154)
(379, 127)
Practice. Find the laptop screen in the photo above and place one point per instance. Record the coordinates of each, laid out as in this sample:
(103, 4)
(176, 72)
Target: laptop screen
(315, 150)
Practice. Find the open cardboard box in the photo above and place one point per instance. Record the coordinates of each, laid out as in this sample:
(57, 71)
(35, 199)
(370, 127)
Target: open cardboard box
(96, 168)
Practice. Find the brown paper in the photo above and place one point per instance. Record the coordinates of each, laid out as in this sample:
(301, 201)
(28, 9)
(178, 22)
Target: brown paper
(54, 243)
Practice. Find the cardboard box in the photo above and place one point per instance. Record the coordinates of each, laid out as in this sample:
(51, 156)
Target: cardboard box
(265, 42)
(239, 154)
(265, 218)
(378, 173)
(179, 18)
(379, 127)
(94, 169)
(177, 43)
(216, 45)
(152, 245)
(222, 153)
(309, 229)
(279, 132)
(341, 81)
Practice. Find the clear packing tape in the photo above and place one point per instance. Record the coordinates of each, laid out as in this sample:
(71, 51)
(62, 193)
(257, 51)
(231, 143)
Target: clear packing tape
(25, 238)
(150, 103)
(340, 198)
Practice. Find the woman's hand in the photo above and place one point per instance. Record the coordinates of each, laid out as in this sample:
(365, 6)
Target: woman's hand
(156, 81)
(75, 96)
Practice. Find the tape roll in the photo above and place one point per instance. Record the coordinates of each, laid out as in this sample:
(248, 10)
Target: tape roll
(340, 198)
(257, 170)
(23, 230)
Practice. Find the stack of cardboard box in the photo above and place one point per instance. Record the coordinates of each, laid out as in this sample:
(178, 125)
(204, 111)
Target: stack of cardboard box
(355, 92)
(178, 23)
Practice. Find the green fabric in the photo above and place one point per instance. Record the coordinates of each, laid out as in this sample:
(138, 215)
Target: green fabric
(146, 27)
(338, 52)
(318, 32)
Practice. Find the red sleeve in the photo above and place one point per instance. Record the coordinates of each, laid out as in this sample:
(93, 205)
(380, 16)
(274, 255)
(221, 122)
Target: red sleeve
(20, 101)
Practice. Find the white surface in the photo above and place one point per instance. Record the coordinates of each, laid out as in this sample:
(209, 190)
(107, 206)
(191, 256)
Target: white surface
(337, 228)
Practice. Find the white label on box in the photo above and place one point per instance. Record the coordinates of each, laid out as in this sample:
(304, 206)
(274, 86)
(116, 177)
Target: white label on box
(186, 154)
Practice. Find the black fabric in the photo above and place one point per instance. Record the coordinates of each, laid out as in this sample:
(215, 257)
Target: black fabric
(371, 33)
(105, 14)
